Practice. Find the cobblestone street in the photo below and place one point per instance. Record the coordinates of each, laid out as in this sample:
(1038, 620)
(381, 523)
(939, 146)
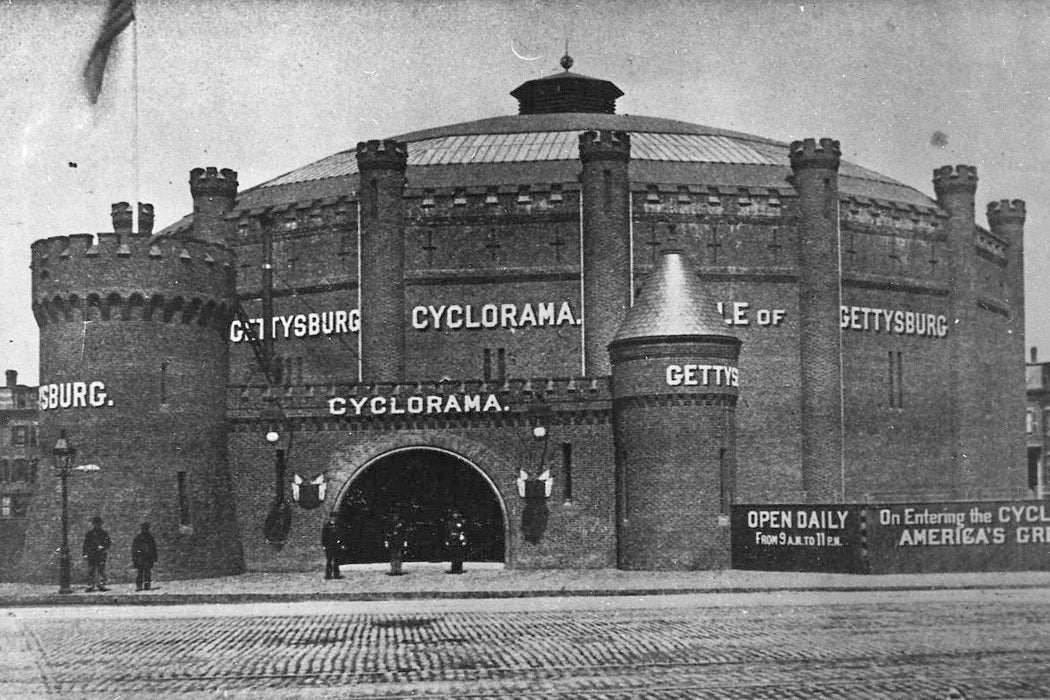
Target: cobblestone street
(917, 644)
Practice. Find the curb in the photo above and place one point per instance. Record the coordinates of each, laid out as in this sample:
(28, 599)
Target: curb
(130, 599)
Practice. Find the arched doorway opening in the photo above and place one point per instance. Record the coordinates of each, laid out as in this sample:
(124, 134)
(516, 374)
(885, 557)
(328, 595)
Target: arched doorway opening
(423, 485)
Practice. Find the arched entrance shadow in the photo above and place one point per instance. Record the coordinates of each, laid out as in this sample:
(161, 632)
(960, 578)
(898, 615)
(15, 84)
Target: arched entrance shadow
(423, 485)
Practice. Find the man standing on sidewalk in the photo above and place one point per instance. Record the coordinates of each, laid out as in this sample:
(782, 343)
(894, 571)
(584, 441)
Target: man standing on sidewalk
(396, 542)
(456, 542)
(335, 540)
(143, 557)
(96, 547)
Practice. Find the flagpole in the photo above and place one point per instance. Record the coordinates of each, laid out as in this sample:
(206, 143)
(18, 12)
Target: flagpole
(135, 118)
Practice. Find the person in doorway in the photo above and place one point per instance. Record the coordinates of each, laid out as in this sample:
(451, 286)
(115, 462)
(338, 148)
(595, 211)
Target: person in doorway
(143, 557)
(396, 541)
(334, 539)
(456, 542)
(96, 548)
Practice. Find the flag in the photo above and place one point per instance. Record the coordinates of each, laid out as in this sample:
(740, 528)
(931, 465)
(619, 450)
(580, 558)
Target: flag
(118, 16)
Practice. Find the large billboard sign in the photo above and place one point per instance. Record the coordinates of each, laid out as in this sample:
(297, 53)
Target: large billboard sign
(893, 538)
(797, 538)
(973, 536)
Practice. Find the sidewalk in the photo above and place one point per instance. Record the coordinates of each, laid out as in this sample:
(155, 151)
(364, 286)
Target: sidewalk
(428, 581)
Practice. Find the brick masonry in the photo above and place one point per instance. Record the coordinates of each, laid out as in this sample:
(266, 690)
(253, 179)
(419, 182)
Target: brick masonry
(901, 415)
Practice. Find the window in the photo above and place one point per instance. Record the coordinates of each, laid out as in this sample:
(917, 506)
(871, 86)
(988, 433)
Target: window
(725, 495)
(494, 363)
(19, 435)
(5, 470)
(1046, 421)
(164, 382)
(13, 506)
(184, 500)
(1029, 422)
(566, 464)
(895, 368)
(20, 470)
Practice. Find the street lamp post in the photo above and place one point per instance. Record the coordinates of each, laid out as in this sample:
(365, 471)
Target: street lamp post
(279, 519)
(64, 453)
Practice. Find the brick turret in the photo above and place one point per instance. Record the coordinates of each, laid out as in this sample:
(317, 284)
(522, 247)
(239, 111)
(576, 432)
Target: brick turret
(145, 218)
(133, 367)
(120, 213)
(815, 166)
(956, 189)
(214, 194)
(1006, 220)
(674, 384)
(382, 284)
(605, 189)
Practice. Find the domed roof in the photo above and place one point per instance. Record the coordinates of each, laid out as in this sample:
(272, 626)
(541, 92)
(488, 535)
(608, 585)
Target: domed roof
(542, 148)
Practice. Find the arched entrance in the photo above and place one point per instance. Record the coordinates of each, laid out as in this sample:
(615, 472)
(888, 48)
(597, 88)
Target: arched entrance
(423, 485)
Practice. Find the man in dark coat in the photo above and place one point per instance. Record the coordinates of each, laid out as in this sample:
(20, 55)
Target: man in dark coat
(396, 541)
(334, 539)
(96, 547)
(143, 557)
(456, 542)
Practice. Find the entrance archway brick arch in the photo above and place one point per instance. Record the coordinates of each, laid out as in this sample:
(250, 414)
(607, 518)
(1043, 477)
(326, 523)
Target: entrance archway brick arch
(353, 460)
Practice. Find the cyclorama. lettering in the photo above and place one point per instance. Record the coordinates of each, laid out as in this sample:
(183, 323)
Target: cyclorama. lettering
(300, 325)
(862, 318)
(414, 405)
(702, 375)
(73, 395)
(456, 316)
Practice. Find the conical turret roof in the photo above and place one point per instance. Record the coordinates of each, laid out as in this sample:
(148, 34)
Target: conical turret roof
(672, 303)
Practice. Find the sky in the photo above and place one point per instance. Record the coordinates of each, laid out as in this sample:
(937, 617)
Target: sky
(266, 86)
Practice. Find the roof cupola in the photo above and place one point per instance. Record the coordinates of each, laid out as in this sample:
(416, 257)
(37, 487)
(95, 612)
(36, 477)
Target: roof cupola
(566, 92)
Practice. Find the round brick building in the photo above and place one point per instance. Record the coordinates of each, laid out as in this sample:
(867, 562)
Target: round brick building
(448, 333)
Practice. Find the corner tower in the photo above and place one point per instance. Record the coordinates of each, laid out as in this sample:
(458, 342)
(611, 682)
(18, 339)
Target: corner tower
(815, 168)
(674, 386)
(133, 369)
(214, 193)
(381, 283)
(956, 190)
(606, 223)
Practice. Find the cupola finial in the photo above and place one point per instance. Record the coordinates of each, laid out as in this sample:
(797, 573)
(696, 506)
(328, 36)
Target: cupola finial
(566, 60)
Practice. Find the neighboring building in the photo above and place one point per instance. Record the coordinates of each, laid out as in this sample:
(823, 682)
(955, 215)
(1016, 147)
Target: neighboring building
(19, 463)
(451, 330)
(1037, 425)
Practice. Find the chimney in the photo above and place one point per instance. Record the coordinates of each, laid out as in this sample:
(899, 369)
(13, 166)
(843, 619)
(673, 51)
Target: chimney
(12, 379)
(1034, 355)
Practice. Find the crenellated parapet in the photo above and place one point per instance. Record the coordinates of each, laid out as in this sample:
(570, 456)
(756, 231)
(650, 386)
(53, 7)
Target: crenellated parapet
(386, 154)
(728, 203)
(120, 213)
(145, 218)
(958, 179)
(113, 276)
(605, 145)
(1007, 212)
(810, 153)
(473, 202)
(213, 182)
(879, 216)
